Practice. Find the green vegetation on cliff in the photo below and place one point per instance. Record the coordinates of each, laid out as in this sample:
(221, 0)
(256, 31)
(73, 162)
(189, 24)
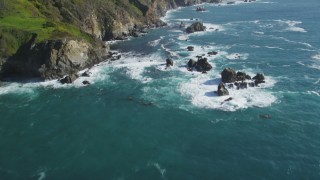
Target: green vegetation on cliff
(33, 31)
(19, 19)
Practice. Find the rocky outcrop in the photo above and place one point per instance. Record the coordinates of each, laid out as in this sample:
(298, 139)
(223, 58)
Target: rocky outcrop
(195, 27)
(86, 82)
(240, 80)
(191, 63)
(229, 75)
(68, 79)
(203, 65)
(169, 62)
(212, 53)
(222, 90)
(190, 48)
(55, 58)
(258, 79)
(95, 20)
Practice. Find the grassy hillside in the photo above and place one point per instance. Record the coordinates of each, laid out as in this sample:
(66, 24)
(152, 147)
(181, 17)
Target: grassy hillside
(20, 18)
(54, 19)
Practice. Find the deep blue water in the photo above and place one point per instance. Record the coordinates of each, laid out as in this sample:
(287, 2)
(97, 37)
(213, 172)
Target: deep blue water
(139, 120)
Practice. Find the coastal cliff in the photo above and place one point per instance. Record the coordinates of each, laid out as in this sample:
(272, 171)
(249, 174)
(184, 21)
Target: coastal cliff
(53, 38)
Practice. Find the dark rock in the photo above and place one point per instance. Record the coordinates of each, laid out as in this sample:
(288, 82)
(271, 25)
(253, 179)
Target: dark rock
(241, 85)
(169, 62)
(135, 34)
(68, 79)
(203, 65)
(192, 63)
(200, 9)
(222, 91)
(195, 27)
(265, 116)
(86, 74)
(229, 99)
(86, 83)
(259, 78)
(241, 76)
(212, 53)
(230, 86)
(251, 84)
(199, 57)
(190, 48)
(228, 75)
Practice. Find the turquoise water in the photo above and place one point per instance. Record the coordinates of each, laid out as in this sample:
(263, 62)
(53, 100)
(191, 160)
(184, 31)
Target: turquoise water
(139, 120)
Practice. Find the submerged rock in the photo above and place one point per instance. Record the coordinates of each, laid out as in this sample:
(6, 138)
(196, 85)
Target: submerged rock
(265, 116)
(195, 27)
(212, 53)
(222, 90)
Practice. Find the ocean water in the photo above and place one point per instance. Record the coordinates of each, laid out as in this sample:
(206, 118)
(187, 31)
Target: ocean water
(139, 120)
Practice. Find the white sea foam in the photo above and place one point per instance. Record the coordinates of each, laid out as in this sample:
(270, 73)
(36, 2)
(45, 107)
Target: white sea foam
(176, 30)
(273, 47)
(169, 51)
(316, 57)
(315, 63)
(314, 92)
(291, 25)
(183, 37)
(304, 49)
(238, 56)
(168, 17)
(155, 42)
(290, 41)
(200, 91)
(161, 170)
(134, 66)
(259, 32)
(42, 175)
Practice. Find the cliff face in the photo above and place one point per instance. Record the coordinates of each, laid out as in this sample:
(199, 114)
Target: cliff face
(52, 38)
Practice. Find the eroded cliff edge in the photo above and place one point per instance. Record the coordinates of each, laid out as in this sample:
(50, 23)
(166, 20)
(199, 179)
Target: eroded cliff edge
(53, 38)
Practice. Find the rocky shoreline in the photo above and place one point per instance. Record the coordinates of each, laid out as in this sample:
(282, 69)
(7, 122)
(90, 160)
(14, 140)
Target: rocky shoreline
(54, 59)
(64, 58)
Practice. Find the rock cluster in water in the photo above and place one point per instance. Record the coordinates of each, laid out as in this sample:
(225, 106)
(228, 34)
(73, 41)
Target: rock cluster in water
(196, 27)
(200, 9)
(230, 78)
(202, 65)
